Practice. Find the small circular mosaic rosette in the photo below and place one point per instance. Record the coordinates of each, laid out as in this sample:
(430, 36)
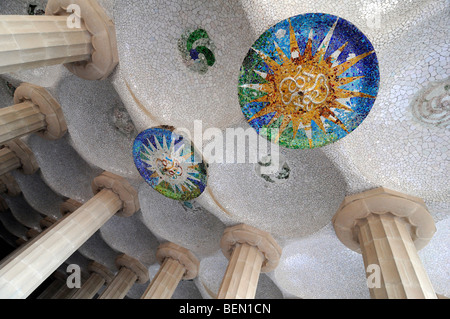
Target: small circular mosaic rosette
(169, 163)
(308, 81)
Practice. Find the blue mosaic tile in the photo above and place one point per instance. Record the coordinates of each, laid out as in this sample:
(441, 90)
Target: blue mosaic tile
(308, 81)
(169, 163)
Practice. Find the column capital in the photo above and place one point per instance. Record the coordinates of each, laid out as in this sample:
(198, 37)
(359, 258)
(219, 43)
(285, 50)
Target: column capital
(120, 186)
(105, 56)
(135, 266)
(46, 222)
(382, 201)
(180, 254)
(25, 155)
(54, 117)
(69, 206)
(32, 233)
(104, 272)
(245, 234)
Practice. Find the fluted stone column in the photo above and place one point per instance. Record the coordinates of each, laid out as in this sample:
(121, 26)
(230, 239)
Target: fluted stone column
(250, 251)
(32, 233)
(52, 289)
(35, 110)
(87, 48)
(36, 41)
(388, 228)
(99, 276)
(46, 223)
(27, 269)
(16, 154)
(8, 160)
(176, 263)
(60, 280)
(64, 292)
(130, 272)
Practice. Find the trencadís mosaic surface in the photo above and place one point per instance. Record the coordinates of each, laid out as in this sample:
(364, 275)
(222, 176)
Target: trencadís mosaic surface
(308, 81)
(197, 50)
(169, 163)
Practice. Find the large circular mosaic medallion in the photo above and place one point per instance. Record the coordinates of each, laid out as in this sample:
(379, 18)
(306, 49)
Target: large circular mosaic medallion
(308, 81)
(169, 163)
